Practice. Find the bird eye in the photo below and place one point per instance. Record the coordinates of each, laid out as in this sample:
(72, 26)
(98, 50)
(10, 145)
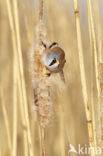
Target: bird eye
(53, 62)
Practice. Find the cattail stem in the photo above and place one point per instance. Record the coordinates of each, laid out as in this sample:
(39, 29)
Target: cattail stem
(40, 78)
(40, 37)
(42, 134)
(41, 10)
(50, 21)
(83, 76)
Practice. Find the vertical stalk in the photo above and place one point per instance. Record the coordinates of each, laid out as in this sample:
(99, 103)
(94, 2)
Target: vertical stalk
(83, 76)
(98, 29)
(99, 131)
(15, 112)
(20, 60)
(26, 22)
(21, 84)
(42, 129)
(0, 152)
(6, 120)
(40, 21)
(62, 130)
(41, 10)
(25, 139)
(92, 79)
(100, 64)
(42, 132)
(94, 43)
(50, 17)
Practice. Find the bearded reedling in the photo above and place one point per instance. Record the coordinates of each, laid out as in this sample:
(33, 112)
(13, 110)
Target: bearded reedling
(54, 59)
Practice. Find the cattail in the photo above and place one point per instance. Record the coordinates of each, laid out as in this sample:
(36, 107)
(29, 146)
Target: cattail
(42, 85)
(41, 82)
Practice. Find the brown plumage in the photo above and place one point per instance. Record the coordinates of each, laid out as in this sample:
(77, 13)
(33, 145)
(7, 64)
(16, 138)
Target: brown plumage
(54, 58)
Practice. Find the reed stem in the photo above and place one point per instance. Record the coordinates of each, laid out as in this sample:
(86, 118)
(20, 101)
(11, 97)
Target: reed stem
(18, 54)
(83, 76)
(90, 17)
(6, 120)
(24, 126)
(15, 112)
(20, 60)
(92, 81)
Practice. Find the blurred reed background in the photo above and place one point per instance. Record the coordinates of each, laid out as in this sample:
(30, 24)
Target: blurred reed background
(79, 34)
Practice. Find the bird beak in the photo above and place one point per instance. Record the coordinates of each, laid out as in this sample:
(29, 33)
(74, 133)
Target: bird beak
(57, 62)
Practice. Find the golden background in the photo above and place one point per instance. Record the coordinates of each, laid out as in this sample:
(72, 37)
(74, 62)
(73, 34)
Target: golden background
(68, 123)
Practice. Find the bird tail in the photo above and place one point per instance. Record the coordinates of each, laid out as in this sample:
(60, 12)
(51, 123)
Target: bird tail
(62, 76)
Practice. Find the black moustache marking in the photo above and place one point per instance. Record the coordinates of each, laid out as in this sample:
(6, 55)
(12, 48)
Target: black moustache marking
(44, 45)
(53, 62)
(53, 44)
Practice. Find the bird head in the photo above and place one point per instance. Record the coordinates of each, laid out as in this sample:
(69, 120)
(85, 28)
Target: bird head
(54, 59)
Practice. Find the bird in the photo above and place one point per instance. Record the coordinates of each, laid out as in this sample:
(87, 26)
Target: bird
(53, 58)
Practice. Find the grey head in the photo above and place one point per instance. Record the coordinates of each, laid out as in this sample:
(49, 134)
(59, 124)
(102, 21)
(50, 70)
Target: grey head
(52, 60)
